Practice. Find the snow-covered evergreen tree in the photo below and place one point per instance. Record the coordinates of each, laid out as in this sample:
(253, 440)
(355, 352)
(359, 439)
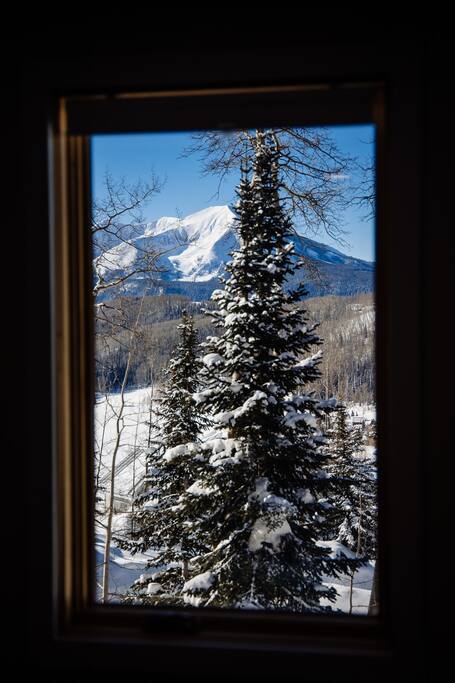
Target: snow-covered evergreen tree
(354, 516)
(180, 418)
(261, 497)
(158, 521)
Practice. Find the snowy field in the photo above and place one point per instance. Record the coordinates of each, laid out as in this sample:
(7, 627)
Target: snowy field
(124, 568)
(130, 467)
(365, 411)
(134, 433)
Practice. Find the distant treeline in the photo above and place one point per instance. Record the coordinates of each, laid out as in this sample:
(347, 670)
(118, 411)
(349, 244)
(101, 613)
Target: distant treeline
(346, 324)
(347, 327)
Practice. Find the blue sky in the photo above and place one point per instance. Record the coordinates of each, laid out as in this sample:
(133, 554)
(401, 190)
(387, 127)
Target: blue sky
(185, 191)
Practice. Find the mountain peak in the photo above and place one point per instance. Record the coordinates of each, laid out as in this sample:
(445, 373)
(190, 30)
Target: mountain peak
(195, 224)
(211, 213)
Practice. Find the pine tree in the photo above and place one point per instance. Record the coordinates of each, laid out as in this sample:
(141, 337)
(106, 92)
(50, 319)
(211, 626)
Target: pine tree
(354, 522)
(158, 522)
(260, 500)
(181, 420)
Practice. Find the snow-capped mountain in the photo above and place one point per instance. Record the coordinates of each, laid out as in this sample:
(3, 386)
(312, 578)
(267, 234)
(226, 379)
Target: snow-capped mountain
(202, 242)
(194, 250)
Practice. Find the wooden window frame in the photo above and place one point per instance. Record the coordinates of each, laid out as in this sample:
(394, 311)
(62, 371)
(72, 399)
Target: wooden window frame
(383, 89)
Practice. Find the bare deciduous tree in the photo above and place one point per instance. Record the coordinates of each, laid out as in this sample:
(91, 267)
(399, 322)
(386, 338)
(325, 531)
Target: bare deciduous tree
(316, 177)
(117, 219)
(119, 427)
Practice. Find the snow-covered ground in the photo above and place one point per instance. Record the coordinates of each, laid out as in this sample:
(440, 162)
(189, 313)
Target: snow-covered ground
(361, 582)
(130, 467)
(133, 426)
(134, 432)
(362, 410)
(124, 568)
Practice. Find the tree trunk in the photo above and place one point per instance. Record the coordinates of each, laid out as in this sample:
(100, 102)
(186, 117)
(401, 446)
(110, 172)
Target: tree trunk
(100, 456)
(359, 528)
(119, 430)
(133, 489)
(185, 570)
(373, 607)
(350, 592)
(108, 538)
(357, 553)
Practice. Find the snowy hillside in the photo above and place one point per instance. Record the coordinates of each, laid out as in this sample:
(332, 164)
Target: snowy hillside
(196, 248)
(134, 426)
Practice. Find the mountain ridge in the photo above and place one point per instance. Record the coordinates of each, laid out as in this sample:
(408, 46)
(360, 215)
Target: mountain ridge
(195, 249)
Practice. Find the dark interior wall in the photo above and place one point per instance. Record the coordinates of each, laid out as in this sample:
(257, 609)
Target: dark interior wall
(30, 213)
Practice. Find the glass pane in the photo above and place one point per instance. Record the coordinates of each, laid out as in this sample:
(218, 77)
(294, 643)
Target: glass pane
(235, 425)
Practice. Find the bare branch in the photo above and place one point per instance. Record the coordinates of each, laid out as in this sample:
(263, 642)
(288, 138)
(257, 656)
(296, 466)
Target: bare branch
(318, 181)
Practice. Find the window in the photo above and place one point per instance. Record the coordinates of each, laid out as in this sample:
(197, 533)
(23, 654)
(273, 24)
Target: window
(384, 638)
(118, 319)
(208, 391)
